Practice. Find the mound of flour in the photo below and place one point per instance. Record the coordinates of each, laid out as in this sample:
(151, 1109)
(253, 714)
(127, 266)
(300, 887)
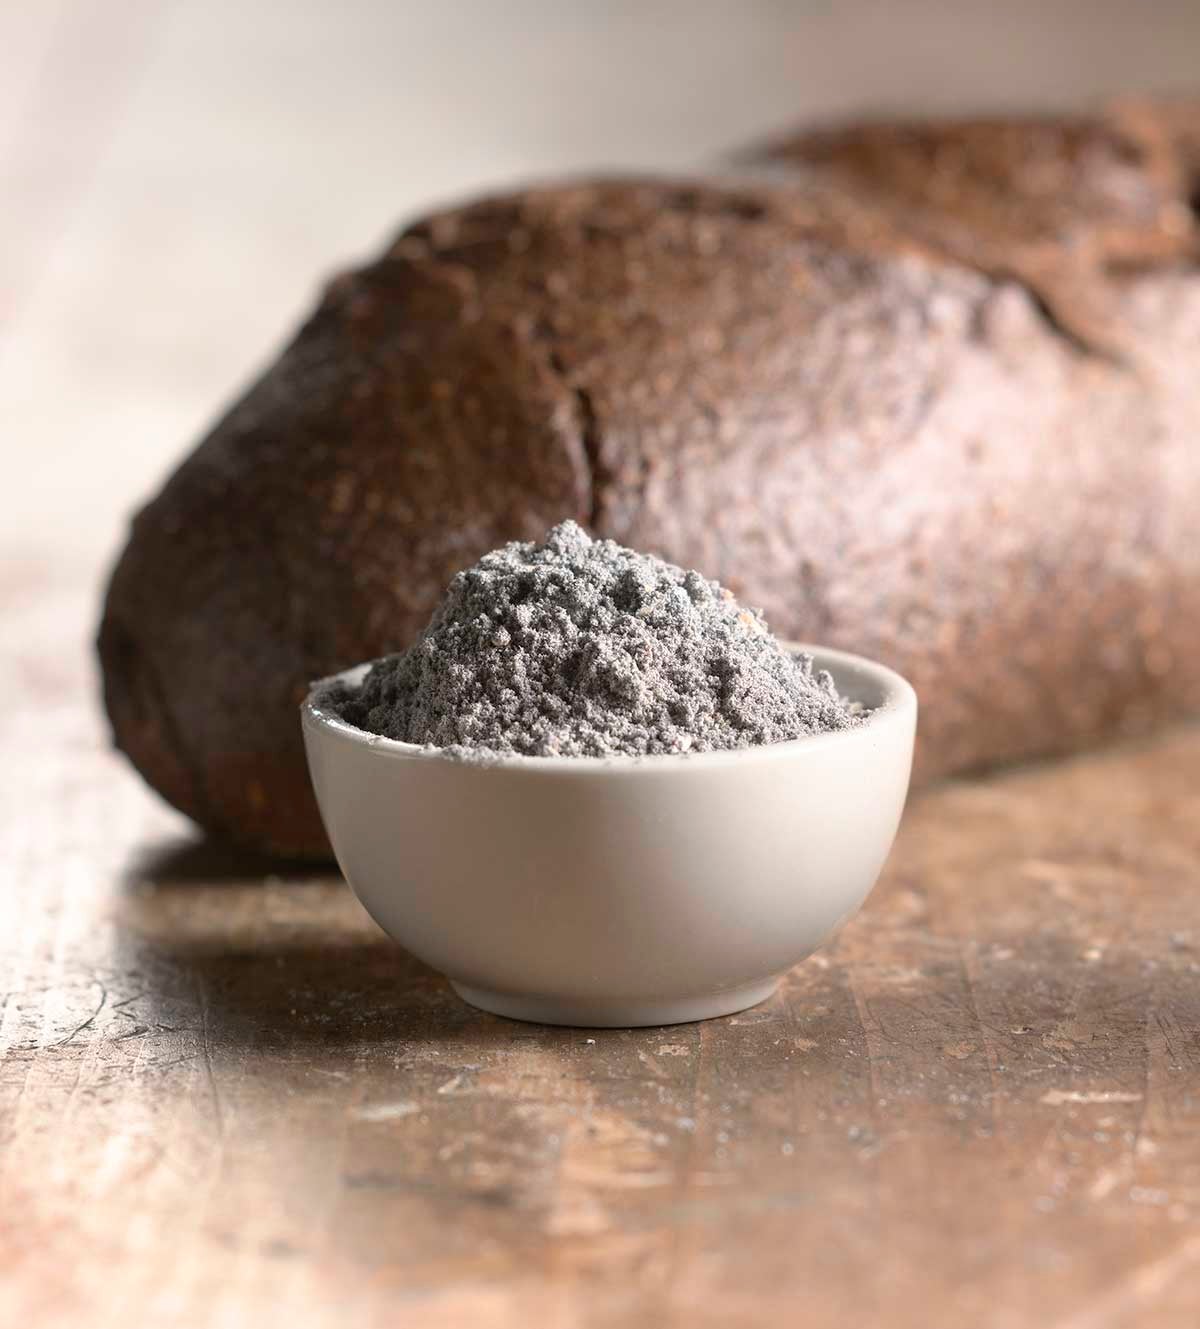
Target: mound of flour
(582, 648)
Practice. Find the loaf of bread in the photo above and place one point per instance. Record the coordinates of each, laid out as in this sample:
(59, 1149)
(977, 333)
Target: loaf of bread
(929, 393)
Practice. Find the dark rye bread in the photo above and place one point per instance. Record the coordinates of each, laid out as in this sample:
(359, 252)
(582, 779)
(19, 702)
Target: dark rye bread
(928, 393)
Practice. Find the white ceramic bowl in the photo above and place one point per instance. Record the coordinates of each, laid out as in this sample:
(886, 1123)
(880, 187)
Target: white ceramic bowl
(618, 891)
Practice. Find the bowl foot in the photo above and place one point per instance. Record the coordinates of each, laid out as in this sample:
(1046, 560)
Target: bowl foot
(616, 1013)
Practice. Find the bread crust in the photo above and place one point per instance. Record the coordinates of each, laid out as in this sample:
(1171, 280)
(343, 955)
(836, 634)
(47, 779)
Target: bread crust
(921, 392)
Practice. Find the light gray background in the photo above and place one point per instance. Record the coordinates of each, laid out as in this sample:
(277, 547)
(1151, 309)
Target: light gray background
(175, 178)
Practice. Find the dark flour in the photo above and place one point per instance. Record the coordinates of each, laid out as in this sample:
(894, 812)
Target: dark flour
(582, 648)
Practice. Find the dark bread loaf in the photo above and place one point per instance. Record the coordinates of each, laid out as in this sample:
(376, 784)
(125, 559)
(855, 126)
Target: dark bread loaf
(929, 394)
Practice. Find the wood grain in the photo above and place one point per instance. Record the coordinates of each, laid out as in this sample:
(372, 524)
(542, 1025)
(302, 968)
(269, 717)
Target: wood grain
(226, 1099)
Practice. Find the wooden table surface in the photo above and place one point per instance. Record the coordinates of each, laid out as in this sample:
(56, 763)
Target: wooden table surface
(227, 1100)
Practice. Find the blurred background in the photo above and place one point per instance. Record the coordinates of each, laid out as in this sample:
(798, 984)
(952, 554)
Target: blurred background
(177, 176)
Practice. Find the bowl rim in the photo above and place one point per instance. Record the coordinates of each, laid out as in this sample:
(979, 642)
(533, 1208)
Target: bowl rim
(899, 707)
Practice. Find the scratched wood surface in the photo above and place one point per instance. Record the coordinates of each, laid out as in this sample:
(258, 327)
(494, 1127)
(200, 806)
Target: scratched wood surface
(226, 1100)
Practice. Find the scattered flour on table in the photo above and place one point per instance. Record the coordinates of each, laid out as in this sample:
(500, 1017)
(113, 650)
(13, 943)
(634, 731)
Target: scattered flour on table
(582, 648)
